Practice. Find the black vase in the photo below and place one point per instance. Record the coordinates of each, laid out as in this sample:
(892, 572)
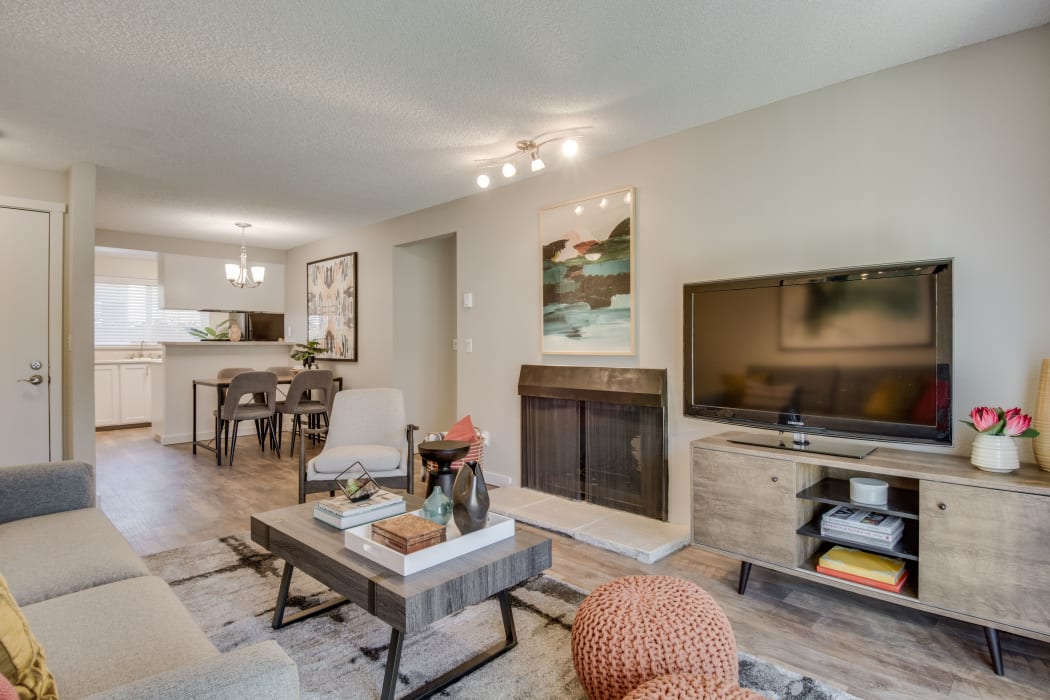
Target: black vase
(470, 498)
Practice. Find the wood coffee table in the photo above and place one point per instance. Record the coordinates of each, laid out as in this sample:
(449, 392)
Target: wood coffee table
(407, 603)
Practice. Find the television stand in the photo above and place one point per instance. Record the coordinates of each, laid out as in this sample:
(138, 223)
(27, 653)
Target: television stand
(821, 446)
(973, 543)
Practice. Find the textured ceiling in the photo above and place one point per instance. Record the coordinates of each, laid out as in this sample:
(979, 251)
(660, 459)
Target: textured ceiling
(313, 118)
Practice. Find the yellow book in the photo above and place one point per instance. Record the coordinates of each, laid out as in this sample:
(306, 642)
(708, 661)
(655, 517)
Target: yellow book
(859, 563)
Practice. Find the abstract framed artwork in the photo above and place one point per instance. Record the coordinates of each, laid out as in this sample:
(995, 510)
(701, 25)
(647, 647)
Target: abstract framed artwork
(587, 252)
(331, 306)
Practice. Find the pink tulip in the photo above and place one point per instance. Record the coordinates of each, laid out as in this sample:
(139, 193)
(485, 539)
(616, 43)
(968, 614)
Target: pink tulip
(984, 418)
(1016, 423)
(1010, 412)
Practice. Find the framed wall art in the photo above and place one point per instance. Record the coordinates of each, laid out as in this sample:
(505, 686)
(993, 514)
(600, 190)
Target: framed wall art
(587, 252)
(331, 306)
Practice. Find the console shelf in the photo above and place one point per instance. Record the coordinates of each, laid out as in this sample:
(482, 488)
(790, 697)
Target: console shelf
(903, 503)
(981, 535)
(906, 548)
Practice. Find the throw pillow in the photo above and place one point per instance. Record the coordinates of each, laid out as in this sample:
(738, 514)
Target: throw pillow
(462, 430)
(892, 399)
(7, 691)
(21, 658)
(768, 397)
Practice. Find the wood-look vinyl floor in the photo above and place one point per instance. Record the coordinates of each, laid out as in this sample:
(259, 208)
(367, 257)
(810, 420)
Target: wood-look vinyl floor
(165, 497)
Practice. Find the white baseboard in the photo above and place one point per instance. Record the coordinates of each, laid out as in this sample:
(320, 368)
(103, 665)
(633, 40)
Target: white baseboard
(498, 479)
(202, 436)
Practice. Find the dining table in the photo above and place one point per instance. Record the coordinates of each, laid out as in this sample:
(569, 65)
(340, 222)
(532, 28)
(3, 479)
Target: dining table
(220, 386)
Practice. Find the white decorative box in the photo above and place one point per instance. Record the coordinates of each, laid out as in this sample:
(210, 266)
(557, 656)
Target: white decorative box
(869, 492)
(359, 541)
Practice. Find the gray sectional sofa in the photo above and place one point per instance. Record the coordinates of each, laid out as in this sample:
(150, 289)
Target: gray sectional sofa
(108, 628)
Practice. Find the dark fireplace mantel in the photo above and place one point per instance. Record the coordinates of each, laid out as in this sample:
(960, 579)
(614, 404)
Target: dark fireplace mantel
(624, 385)
(597, 434)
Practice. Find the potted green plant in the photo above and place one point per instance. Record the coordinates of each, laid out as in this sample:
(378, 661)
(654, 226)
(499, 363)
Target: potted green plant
(307, 352)
(220, 332)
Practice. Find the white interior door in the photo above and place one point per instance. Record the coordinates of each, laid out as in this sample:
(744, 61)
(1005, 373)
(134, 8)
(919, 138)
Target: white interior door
(25, 412)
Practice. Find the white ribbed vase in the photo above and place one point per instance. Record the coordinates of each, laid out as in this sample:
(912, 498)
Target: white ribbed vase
(1041, 422)
(994, 453)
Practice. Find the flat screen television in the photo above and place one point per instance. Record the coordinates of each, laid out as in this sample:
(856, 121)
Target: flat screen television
(863, 352)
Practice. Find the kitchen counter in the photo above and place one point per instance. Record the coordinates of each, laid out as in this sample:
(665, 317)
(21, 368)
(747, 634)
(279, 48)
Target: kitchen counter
(184, 361)
(224, 343)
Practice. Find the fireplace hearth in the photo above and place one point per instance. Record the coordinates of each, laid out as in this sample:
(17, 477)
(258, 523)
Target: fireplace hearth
(596, 434)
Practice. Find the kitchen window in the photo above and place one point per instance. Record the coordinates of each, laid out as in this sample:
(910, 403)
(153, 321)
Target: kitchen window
(127, 313)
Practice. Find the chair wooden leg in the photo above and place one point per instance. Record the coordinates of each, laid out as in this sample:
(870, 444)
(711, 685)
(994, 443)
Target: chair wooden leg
(233, 447)
(273, 435)
(296, 426)
(280, 433)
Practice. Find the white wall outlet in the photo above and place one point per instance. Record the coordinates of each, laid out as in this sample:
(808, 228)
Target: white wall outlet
(455, 344)
(468, 300)
(468, 345)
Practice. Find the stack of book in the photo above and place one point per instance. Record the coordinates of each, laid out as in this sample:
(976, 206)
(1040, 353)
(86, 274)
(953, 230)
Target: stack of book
(343, 513)
(862, 526)
(875, 570)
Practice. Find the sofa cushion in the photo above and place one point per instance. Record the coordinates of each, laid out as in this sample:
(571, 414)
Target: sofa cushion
(51, 555)
(21, 658)
(114, 634)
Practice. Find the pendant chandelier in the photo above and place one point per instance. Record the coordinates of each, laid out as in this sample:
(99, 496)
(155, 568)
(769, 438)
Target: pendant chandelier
(242, 275)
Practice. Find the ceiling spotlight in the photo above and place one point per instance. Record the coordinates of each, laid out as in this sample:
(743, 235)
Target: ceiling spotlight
(537, 162)
(531, 148)
(578, 210)
(604, 203)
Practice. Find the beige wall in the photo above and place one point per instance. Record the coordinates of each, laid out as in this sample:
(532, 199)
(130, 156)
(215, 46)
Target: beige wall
(32, 183)
(140, 266)
(78, 317)
(184, 246)
(946, 157)
(425, 323)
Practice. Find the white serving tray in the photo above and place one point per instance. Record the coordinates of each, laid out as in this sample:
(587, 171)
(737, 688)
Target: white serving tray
(359, 541)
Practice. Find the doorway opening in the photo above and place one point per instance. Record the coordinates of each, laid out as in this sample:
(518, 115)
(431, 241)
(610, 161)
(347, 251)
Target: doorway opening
(425, 327)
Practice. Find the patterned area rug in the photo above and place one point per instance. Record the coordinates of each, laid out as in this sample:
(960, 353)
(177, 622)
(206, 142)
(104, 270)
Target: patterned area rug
(230, 585)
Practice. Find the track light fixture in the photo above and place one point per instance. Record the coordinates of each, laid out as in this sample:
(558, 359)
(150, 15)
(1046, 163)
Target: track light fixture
(531, 148)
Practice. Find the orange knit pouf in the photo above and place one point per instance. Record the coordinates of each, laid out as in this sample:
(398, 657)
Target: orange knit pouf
(691, 686)
(636, 628)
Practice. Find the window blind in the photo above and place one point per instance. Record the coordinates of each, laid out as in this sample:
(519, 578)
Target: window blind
(127, 313)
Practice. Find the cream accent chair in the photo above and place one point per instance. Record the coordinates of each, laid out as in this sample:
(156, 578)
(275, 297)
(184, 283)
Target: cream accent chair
(365, 425)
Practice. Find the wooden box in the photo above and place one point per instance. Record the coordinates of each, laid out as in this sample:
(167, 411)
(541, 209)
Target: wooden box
(407, 533)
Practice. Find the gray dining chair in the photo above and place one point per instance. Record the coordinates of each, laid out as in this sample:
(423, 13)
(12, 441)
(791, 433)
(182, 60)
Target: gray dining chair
(301, 401)
(248, 384)
(230, 373)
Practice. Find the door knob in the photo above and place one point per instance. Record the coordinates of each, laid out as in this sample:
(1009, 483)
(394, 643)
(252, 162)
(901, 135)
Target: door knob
(33, 379)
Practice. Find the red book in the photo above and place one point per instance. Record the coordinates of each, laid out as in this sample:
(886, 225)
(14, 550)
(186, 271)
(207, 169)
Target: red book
(895, 588)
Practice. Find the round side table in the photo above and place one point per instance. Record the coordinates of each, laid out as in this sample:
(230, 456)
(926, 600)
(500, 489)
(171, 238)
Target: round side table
(443, 453)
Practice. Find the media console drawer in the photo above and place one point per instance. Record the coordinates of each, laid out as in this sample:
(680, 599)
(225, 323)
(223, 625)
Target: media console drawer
(741, 504)
(985, 553)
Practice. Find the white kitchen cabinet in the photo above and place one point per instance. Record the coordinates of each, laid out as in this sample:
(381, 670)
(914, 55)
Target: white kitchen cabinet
(122, 393)
(107, 395)
(134, 394)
